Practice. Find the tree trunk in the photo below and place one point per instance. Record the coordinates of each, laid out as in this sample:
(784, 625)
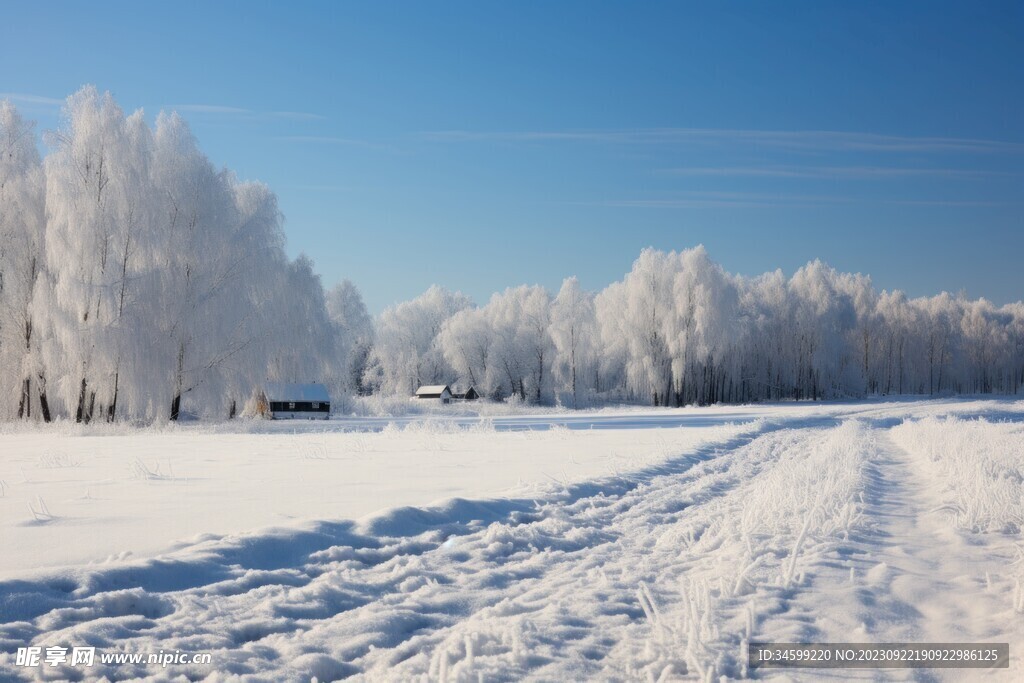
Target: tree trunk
(25, 403)
(540, 375)
(92, 406)
(573, 357)
(80, 411)
(931, 368)
(113, 403)
(176, 402)
(44, 403)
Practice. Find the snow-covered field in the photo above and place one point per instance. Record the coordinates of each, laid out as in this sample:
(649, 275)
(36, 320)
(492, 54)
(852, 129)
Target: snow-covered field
(631, 544)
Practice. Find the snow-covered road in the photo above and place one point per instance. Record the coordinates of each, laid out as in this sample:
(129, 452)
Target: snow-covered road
(856, 523)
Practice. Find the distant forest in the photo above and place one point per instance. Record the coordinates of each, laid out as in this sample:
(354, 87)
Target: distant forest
(139, 282)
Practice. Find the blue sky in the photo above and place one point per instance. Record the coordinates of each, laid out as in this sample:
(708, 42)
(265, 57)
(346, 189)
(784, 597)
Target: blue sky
(479, 145)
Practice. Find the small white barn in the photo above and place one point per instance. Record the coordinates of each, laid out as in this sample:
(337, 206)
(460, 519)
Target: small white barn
(284, 400)
(437, 392)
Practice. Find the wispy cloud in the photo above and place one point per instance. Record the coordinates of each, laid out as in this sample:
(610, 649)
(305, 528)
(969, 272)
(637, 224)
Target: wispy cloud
(715, 199)
(239, 112)
(296, 115)
(324, 188)
(950, 202)
(681, 203)
(845, 172)
(712, 199)
(207, 109)
(201, 109)
(25, 98)
(336, 140)
(810, 140)
(324, 140)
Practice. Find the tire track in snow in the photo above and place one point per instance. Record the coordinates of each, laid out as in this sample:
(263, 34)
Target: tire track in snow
(254, 588)
(757, 548)
(619, 585)
(907, 575)
(663, 574)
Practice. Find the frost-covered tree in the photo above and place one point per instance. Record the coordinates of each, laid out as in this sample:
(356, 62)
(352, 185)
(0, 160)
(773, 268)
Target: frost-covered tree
(701, 327)
(610, 378)
(504, 348)
(821, 316)
(537, 348)
(678, 320)
(1015, 347)
(220, 262)
(575, 337)
(520, 352)
(898, 323)
(466, 341)
(162, 279)
(938, 314)
(22, 239)
(302, 341)
(407, 353)
(985, 334)
(648, 307)
(355, 331)
(91, 189)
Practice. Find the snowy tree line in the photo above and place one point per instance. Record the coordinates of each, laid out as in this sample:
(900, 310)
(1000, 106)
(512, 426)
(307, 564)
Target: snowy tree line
(137, 281)
(679, 330)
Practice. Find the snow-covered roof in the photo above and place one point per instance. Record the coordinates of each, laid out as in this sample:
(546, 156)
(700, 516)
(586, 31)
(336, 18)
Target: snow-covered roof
(286, 391)
(433, 390)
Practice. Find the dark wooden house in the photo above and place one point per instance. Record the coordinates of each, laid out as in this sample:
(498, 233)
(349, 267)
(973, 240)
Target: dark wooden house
(284, 400)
